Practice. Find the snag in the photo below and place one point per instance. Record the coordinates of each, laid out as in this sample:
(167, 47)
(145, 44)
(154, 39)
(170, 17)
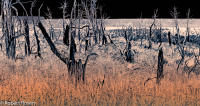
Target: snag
(75, 68)
(169, 38)
(66, 36)
(27, 45)
(160, 74)
(160, 66)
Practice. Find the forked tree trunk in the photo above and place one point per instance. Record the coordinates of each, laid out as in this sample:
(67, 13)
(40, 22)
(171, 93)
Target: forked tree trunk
(75, 68)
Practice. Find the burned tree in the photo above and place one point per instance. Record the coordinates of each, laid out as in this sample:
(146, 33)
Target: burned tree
(75, 68)
(72, 49)
(160, 74)
(66, 36)
(27, 39)
(151, 27)
(169, 38)
(174, 14)
(160, 66)
(125, 35)
(129, 54)
(159, 35)
(178, 42)
(188, 29)
(104, 39)
(86, 39)
(34, 29)
(12, 27)
(8, 28)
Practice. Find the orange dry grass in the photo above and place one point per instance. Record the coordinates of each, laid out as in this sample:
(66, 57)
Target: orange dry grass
(47, 83)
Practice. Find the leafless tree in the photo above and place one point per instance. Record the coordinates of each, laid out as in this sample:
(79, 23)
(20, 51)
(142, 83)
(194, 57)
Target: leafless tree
(180, 46)
(188, 29)
(34, 28)
(150, 28)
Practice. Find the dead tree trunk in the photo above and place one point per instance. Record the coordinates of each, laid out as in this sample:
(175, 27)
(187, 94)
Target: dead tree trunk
(51, 44)
(8, 29)
(188, 38)
(160, 74)
(129, 55)
(86, 39)
(27, 45)
(72, 49)
(34, 29)
(160, 66)
(188, 29)
(182, 53)
(150, 28)
(37, 40)
(176, 39)
(66, 36)
(160, 36)
(104, 39)
(75, 68)
(169, 38)
(125, 36)
(149, 38)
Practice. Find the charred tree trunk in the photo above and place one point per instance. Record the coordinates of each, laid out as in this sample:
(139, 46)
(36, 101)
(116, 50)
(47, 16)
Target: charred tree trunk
(86, 40)
(125, 36)
(182, 53)
(72, 49)
(28, 49)
(169, 38)
(8, 29)
(95, 37)
(66, 36)
(160, 66)
(150, 28)
(176, 39)
(160, 37)
(51, 44)
(79, 32)
(188, 38)
(149, 38)
(104, 40)
(86, 45)
(34, 29)
(160, 74)
(129, 54)
(75, 68)
(38, 42)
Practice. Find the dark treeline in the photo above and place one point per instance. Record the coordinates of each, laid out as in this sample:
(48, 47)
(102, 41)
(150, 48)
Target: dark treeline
(121, 9)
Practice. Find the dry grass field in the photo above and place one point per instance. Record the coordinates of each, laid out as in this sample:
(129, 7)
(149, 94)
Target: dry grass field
(109, 81)
(87, 60)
